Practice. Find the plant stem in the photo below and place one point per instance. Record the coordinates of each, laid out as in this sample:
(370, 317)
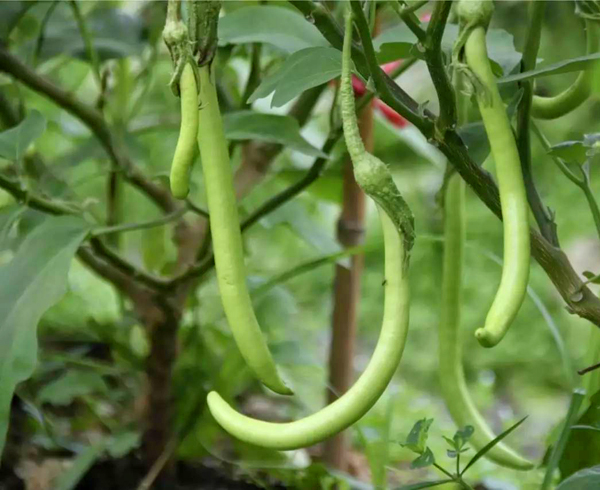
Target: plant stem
(410, 19)
(572, 414)
(125, 227)
(435, 63)
(530, 51)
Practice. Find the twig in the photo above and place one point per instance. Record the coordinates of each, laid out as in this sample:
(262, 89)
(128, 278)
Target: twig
(366, 63)
(49, 206)
(583, 183)
(93, 120)
(120, 263)
(579, 299)
(542, 214)
(588, 369)
(90, 50)
(434, 58)
(125, 227)
(409, 18)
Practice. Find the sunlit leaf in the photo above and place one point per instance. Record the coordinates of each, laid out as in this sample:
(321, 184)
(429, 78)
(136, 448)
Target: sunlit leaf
(587, 479)
(33, 281)
(273, 128)
(14, 142)
(304, 69)
(281, 27)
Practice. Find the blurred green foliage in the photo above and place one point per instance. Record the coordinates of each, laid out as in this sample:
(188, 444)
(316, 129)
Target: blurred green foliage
(525, 375)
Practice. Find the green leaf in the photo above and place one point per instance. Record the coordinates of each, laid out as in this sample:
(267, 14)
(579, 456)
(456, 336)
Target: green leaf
(82, 463)
(417, 437)
(583, 446)
(31, 283)
(425, 484)
(588, 479)
(394, 43)
(559, 448)
(580, 63)
(490, 445)
(15, 141)
(114, 34)
(462, 436)
(73, 384)
(304, 69)
(284, 130)
(281, 27)
(570, 151)
(123, 443)
(424, 460)
(590, 276)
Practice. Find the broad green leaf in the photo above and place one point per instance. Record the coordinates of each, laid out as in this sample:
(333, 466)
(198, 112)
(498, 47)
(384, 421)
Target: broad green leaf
(285, 130)
(580, 63)
(73, 384)
(559, 446)
(11, 13)
(304, 69)
(583, 446)
(281, 27)
(394, 43)
(571, 151)
(588, 479)
(123, 443)
(15, 141)
(114, 34)
(31, 283)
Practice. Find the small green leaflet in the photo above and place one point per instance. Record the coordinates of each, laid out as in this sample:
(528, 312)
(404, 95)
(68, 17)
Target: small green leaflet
(33, 281)
(15, 141)
(272, 128)
(304, 69)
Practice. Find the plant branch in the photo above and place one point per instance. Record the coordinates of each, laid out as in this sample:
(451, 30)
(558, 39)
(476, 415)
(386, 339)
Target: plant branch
(410, 19)
(45, 205)
(94, 121)
(125, 227)
(579, 299)
(583, 183)
(434, 58)
(90, 50)
(542, 214)
(366, 63)
(126, 267)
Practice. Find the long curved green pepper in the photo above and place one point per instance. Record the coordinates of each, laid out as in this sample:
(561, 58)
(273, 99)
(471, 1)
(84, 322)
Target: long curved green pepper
(186, 144)
(396, 222)
(227, 238)
(451, 374)
(513, 199)
(574, 95)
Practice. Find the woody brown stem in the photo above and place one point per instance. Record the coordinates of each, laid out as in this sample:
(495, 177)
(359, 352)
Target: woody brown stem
(350, 233)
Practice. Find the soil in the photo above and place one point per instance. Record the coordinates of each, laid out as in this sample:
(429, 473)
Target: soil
(126, 474)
